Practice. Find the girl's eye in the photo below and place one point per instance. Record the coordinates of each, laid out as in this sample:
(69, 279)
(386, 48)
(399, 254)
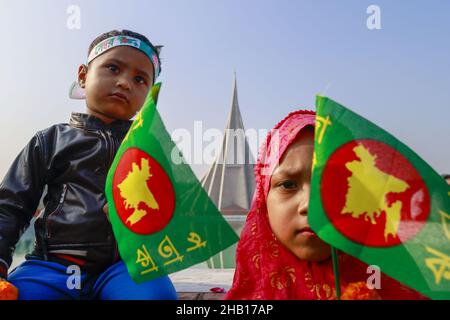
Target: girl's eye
(288, 185)
(112, 68)
(140, 80)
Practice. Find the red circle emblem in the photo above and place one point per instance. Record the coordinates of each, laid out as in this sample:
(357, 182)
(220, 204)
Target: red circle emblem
(142, 192)
(373, 195)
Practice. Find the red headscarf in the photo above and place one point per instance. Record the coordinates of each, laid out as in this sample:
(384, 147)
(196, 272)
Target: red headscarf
(265, 269)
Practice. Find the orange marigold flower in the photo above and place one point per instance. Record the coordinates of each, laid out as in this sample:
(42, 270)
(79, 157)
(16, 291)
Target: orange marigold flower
(359, 291)
(8, 291)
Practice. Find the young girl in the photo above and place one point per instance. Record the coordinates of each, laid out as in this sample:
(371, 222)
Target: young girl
(72, 160)
(278, 255)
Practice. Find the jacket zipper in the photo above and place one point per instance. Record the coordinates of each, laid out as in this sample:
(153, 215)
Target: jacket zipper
(109, 145)
(58, 206)
(112, 146)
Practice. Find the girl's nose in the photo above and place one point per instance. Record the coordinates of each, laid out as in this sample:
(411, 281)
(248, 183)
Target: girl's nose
(304, 201)
(303, 207)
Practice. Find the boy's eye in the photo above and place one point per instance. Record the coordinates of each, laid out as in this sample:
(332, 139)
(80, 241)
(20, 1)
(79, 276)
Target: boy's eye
(112, 67)
(140, 80)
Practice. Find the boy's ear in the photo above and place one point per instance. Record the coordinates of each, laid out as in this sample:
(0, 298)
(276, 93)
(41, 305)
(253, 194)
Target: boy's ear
(82, 73)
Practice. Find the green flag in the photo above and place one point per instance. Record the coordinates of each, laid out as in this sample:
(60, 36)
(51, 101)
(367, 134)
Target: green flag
(161, 217)
(375, 199)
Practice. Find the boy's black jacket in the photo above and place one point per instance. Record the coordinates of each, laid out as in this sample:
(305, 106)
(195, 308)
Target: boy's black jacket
(73, 161)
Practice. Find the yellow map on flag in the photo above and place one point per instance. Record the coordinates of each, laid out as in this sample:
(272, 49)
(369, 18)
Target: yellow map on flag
(368, 187)
(134, 190)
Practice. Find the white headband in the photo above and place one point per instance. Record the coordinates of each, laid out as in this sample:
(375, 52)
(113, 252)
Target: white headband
(76, 92)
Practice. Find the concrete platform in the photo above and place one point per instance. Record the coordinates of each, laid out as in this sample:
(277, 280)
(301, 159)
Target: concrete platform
(196, 284)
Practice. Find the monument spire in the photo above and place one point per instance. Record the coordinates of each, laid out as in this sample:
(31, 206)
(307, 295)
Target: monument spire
(230, 180)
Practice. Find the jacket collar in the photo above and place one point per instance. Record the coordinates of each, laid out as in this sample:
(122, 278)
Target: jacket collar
(90, 122)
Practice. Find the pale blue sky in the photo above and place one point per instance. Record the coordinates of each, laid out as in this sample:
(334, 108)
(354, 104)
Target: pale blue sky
(284, 52)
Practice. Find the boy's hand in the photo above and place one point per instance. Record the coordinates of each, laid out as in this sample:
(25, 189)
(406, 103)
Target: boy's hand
(105, 209)
(8, 291)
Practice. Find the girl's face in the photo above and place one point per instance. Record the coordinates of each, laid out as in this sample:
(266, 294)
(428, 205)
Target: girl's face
(117, 83)
(287, 201)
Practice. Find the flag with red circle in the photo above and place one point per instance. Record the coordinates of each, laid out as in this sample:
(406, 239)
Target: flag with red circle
(162, 218)
(374, 198)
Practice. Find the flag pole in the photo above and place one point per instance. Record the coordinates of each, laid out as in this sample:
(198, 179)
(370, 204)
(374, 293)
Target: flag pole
(334, 257)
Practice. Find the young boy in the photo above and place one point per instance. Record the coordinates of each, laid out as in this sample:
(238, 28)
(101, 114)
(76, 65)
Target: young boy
(72, 160)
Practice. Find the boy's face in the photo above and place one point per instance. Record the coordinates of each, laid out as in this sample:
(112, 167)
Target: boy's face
(288, 199)
(116, 83)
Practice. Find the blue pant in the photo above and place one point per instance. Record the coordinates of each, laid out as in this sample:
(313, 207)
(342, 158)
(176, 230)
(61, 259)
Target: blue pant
(45, 280)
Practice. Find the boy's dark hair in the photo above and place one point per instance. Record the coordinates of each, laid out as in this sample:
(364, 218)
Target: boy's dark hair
(124, 32)
(445, 176)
